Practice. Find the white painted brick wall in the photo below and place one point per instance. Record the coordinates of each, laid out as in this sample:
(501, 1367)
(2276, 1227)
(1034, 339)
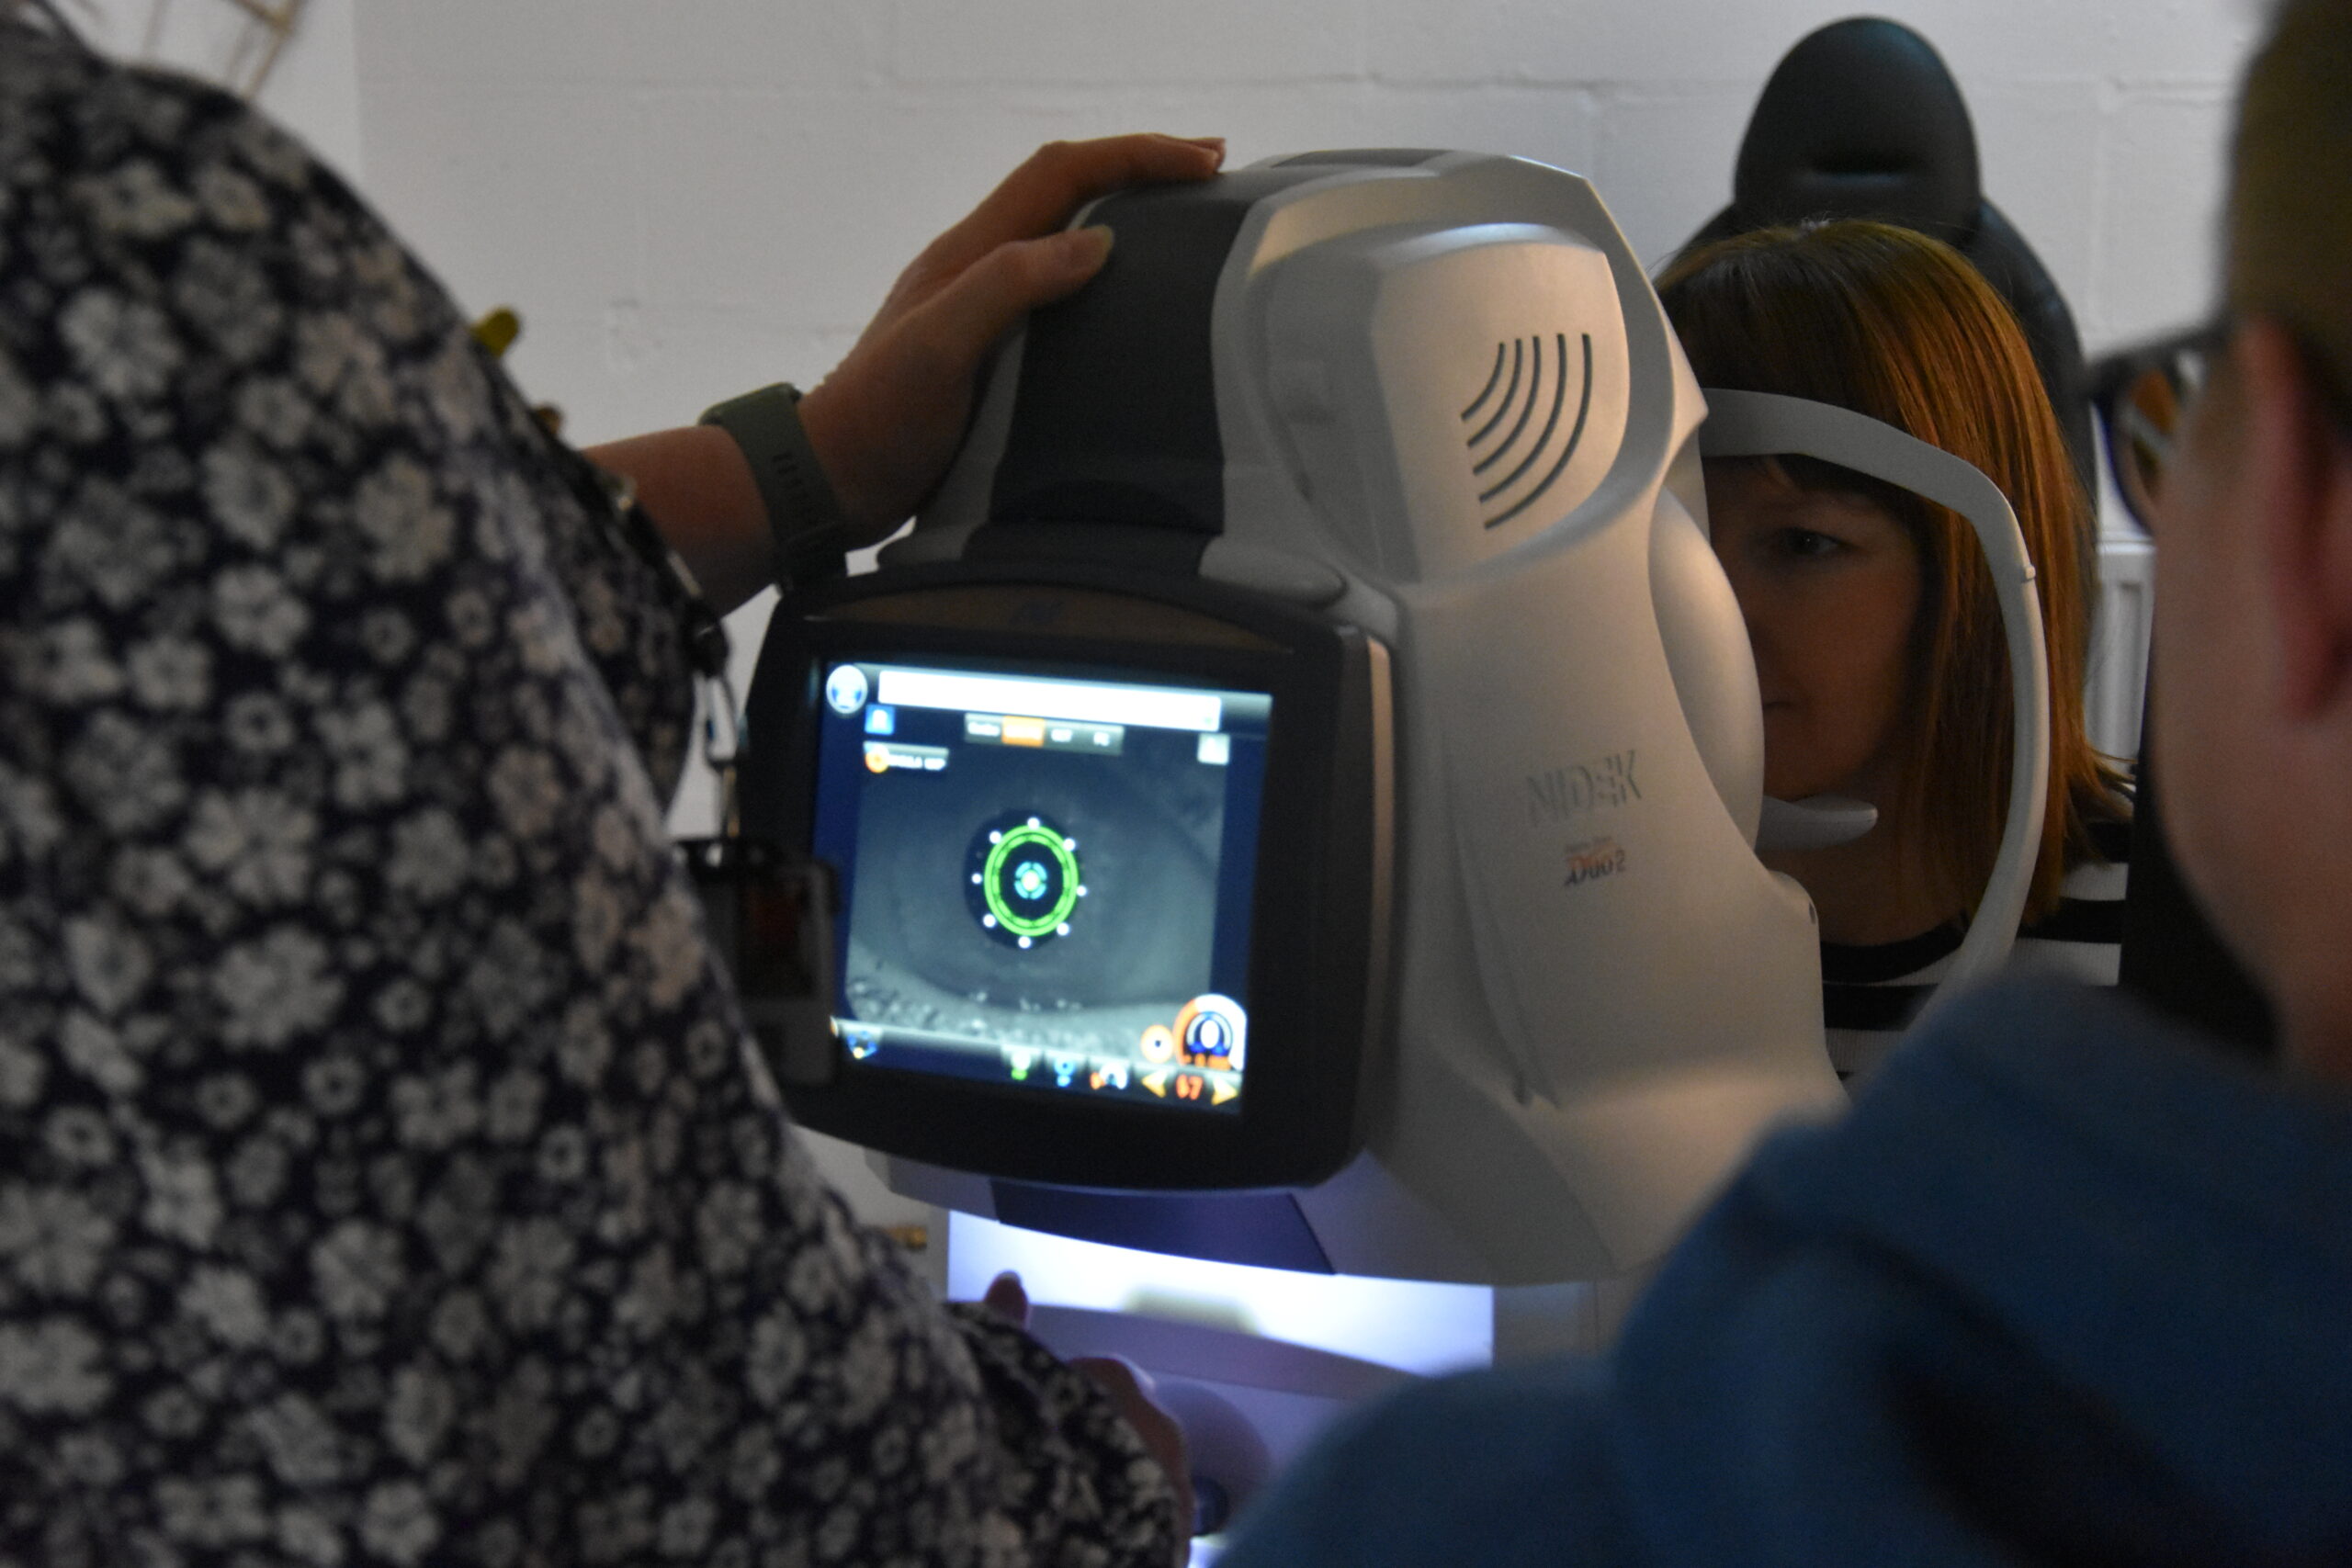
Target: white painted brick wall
(685, 196)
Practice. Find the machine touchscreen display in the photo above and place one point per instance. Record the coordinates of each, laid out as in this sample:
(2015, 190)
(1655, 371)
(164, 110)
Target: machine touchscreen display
(1047, 875)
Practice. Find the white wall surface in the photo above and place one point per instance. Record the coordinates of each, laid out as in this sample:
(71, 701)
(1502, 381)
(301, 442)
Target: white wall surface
(685, 198)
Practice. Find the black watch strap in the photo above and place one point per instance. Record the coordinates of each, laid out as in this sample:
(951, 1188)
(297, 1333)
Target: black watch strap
(804, 514)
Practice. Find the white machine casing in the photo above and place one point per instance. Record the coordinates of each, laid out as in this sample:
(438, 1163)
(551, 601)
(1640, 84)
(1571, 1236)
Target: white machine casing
(1454, 416)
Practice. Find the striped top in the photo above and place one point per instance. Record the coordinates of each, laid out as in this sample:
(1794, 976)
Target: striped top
(1871, 993)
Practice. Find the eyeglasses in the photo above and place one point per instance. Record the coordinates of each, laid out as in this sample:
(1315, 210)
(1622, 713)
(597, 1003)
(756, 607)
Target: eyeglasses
(2143, 397)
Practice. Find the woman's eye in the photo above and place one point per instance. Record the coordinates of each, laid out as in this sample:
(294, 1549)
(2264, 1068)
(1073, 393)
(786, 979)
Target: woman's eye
(1804, 544)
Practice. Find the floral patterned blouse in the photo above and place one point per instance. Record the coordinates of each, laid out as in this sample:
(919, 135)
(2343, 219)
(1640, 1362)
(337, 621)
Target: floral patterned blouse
(383, 1175)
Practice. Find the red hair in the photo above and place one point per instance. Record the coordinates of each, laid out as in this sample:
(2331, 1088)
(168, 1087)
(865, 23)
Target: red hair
(1897, 325)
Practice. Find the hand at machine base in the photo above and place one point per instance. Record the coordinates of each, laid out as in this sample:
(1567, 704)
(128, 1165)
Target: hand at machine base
(886, 421)
(1130, 1392)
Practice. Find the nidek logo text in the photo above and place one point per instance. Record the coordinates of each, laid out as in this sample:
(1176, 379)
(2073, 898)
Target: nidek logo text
(1562, 795)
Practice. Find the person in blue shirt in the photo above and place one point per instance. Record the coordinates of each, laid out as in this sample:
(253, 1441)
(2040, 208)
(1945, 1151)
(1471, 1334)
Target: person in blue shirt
(2069, 1284)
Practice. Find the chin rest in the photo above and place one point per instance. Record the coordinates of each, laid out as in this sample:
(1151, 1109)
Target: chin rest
(1862, 119)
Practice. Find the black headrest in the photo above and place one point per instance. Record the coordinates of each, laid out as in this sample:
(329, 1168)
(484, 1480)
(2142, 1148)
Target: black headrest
(1860, 116)
(1862, 119)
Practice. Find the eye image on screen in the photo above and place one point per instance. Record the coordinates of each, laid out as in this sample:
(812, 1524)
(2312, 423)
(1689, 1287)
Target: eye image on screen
(1046, 880)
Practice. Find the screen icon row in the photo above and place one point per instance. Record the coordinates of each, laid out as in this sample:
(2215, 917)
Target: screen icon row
(1047, 733)
(1027, 1064)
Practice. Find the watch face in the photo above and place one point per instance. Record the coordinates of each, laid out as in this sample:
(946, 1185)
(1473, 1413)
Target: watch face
(1047, 876)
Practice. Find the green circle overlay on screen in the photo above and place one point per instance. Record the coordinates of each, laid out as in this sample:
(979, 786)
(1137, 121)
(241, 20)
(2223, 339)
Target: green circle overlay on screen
(1029, 837)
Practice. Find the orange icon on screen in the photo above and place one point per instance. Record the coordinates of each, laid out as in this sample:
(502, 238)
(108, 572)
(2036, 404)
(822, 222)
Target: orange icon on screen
(1157, 1082)
(1158, 1043)
(1188, 1086)
(1024, 731)
(877, 758)
(1209, 1032)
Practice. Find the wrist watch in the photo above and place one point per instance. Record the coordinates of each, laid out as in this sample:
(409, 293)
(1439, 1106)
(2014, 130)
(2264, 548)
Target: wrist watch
(804, 514)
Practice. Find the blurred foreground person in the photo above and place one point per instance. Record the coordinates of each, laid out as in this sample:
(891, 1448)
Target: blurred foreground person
(384, 1175)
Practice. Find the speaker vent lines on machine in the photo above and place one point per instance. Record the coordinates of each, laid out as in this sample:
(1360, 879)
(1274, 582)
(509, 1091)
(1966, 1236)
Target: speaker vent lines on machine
(1529, 374)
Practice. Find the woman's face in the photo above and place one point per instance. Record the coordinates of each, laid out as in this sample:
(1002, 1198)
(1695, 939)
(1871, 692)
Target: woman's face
(1830, 585)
